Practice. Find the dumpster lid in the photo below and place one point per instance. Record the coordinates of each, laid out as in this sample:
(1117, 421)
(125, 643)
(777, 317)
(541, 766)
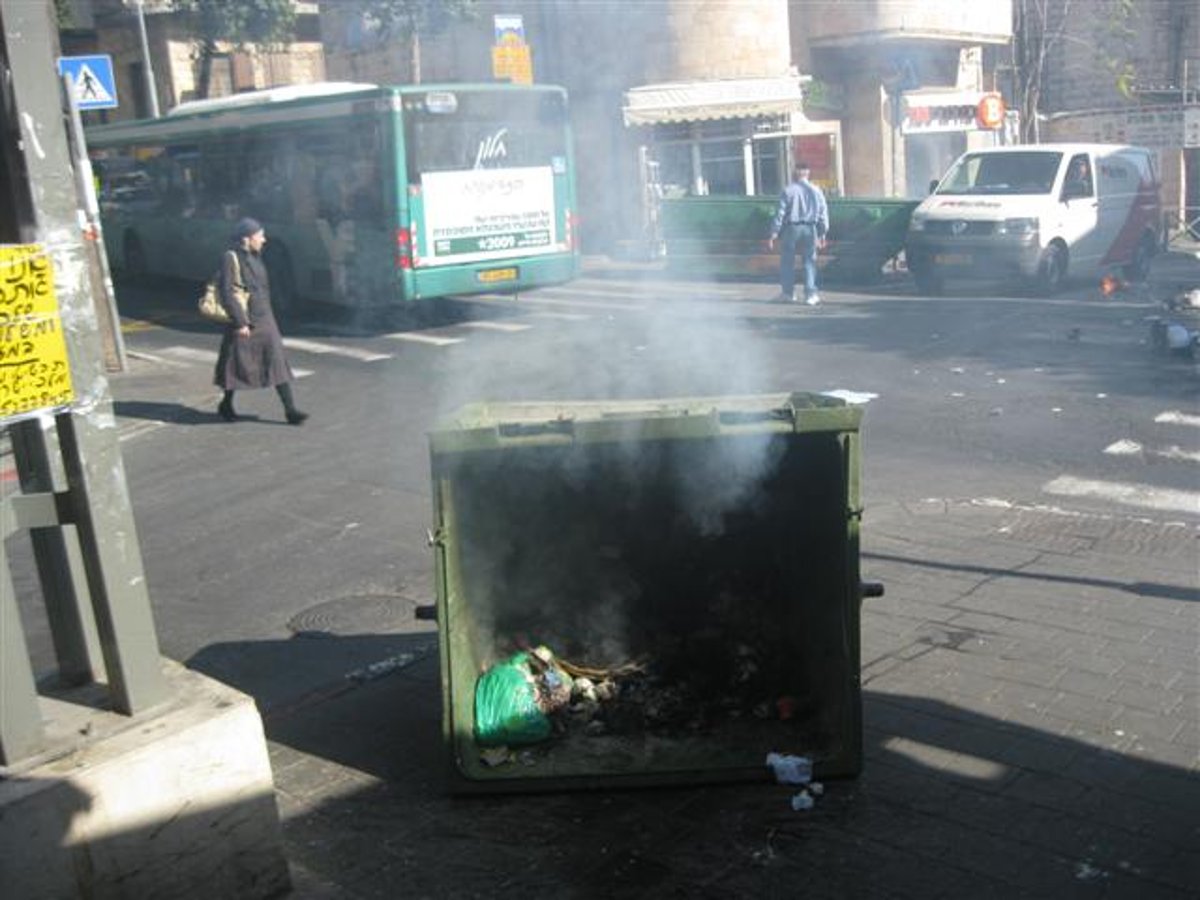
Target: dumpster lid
(696, 101)
(601, 420)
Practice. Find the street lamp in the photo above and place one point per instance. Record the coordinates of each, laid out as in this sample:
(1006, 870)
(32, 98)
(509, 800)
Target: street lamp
(147, 68)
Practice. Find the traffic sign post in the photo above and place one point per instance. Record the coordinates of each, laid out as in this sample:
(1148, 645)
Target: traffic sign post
(92, 82)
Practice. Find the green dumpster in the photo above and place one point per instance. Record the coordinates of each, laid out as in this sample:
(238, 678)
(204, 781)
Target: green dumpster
(718, 235)
(647, 592)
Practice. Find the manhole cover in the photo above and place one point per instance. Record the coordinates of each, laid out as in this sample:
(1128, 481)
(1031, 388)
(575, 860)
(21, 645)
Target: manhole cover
(356, 614)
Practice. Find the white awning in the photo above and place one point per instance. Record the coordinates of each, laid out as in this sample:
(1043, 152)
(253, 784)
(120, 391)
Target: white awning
(698, 101)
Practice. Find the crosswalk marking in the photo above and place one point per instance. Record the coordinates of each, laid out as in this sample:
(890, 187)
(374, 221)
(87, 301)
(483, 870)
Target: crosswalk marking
(317, 347)
(1133, 448)
(1174, 451)
(195, 354)
(486, 325)
(561, 316)
(1123, 448)
(417, 337)
(192, 353)
(1141, 495)
(1175, 417)
(528, 300)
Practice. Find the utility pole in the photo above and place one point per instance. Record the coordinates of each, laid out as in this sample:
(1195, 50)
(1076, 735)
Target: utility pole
(147, 66)
(101, 612)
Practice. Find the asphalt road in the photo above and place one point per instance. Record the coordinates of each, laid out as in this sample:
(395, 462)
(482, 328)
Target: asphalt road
(254, 533)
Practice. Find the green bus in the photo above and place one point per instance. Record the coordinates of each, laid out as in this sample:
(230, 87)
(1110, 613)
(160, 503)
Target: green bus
(371, 196)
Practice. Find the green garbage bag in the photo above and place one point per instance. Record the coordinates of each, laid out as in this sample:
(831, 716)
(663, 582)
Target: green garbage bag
(506, 705)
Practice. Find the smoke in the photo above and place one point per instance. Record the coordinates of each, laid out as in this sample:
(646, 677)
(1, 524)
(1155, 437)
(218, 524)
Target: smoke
(563, 536)
(663, 350)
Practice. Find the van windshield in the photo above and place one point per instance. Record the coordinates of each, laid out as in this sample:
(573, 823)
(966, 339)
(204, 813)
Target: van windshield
(1022, 172)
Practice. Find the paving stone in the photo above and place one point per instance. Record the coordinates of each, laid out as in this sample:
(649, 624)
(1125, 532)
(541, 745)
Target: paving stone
(1142, 698)
(1150, 675)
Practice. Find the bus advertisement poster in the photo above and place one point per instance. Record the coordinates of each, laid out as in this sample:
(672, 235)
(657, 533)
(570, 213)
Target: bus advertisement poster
(484, 214)
(35, 375)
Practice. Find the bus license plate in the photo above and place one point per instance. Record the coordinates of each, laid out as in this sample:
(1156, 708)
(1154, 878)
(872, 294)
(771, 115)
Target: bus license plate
(953, 259)
(491, 276)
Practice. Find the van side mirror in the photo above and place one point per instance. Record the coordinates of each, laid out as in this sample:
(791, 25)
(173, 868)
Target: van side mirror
(933, 185)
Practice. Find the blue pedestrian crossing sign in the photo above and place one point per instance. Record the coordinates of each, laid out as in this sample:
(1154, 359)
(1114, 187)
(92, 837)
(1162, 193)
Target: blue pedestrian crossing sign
(91, 80)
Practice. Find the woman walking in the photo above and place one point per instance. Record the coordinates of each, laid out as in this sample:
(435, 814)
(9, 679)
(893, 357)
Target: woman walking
(252, 348)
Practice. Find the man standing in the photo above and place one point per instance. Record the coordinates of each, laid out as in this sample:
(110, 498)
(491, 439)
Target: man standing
(800, 222)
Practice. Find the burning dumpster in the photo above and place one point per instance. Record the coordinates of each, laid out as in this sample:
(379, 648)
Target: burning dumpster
(647, 592)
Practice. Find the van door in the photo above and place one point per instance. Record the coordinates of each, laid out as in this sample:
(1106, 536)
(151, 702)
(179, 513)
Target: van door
(1079, 216)
(1129, 206)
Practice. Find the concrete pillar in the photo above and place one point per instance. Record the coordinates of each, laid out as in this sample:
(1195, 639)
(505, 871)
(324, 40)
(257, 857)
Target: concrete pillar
(867, 133)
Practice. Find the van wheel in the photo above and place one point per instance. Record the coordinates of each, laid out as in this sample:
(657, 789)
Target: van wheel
(1139, 267)
(1052, 271)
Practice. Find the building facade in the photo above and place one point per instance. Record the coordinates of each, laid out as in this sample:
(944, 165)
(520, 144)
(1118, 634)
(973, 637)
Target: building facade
(1130, 73)
(112, 27)
(720, 96)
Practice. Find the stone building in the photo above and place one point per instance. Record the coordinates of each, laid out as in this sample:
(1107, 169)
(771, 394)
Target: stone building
(719, 96)
(111, 27)
(906, 78)
(1130, 73)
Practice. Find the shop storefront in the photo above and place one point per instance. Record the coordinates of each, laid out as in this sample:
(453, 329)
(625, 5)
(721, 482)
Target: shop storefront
(939, 126)
(731, 137)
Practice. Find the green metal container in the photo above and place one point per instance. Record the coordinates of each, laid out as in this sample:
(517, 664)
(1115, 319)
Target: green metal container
(710, 542)
(720, 235)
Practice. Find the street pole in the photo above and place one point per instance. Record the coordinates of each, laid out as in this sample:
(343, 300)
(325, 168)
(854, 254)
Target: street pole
(147, 67)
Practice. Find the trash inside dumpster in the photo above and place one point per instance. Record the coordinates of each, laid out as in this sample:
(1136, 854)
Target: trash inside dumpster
(646, 592)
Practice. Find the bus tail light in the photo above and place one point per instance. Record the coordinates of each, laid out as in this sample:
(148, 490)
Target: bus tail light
(572, 221)
(404, 249)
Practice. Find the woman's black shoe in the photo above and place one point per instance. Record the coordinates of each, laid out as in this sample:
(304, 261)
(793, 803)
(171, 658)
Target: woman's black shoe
(225, 411)
(295, 417)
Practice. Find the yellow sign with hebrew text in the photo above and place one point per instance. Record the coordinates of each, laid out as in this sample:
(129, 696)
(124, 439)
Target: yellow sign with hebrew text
(34, 371)
(512, 62)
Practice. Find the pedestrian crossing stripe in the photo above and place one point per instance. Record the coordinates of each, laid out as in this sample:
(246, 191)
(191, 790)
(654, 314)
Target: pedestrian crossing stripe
(1125, 494)
(419, 338)
(320, 348)
(1175, 417)
(496, 326)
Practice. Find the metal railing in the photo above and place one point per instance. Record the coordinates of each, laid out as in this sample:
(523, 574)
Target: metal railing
(1181, 224)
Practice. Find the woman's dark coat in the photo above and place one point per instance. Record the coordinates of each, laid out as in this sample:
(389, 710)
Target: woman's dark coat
(256, 361)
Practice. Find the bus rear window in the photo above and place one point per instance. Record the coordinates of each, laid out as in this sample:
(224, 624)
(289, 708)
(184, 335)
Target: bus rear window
(486, 130)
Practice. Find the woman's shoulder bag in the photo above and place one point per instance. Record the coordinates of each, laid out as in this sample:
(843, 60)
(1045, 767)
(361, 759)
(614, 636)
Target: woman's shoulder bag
(210, 301)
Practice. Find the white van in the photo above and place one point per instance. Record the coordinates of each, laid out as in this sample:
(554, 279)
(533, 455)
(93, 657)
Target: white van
(1043, 212)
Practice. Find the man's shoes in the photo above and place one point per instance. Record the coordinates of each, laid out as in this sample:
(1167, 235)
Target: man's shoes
(225, 411)
(812, 300)
(295, 417)
(781, 297)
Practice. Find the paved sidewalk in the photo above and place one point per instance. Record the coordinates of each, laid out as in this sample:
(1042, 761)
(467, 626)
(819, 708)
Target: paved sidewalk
(1031, 683)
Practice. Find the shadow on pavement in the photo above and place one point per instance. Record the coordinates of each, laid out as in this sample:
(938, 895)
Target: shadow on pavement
(951, 803)
(174, 413)
(286, 676)
(1138, 588)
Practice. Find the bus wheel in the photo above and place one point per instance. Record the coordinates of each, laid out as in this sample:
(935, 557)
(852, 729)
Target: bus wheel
(134, 258)
(929, 280)
(1052, 271)
(1139, 267)
(285, 301)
